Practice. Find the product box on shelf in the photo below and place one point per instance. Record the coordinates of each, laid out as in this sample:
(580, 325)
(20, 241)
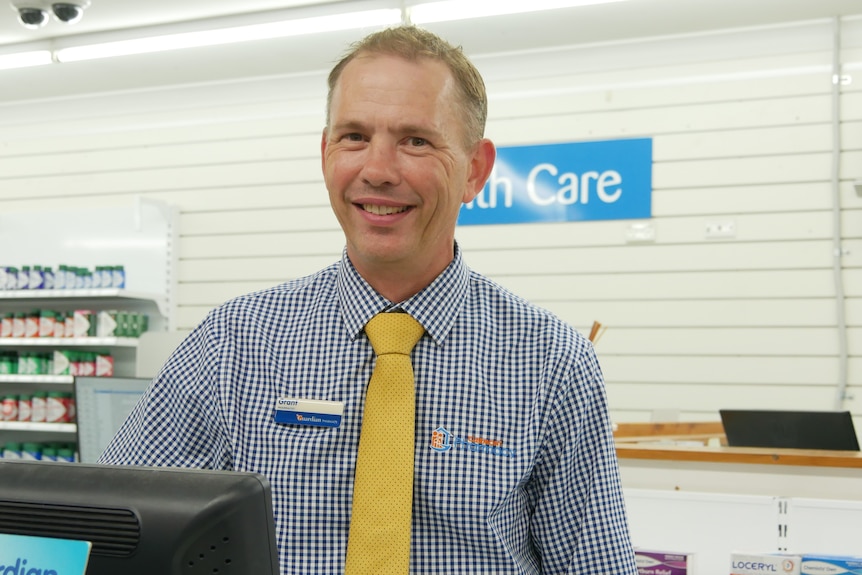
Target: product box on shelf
(814, 564)
(795, 564)
(653, 562)
(765, 564)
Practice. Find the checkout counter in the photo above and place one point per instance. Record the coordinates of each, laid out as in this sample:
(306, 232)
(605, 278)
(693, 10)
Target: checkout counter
(687, 491)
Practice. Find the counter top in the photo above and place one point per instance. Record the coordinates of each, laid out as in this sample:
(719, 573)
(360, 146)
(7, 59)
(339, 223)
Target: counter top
(705, 442)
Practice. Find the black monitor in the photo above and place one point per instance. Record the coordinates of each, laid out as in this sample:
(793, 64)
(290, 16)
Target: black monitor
(145, 520)
(831, 430)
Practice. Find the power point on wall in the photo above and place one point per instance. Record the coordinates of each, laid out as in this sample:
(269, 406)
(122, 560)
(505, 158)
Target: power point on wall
(640, 232)
(722, 229)
(857, 185)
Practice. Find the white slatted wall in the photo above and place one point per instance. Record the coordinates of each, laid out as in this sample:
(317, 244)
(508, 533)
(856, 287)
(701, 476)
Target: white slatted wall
(741, 122)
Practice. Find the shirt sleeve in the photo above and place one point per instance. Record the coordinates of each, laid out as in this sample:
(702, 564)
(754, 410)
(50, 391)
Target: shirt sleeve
(579, 524)
(178, 420)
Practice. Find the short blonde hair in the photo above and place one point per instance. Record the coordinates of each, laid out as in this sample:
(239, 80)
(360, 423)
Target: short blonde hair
(413, 43)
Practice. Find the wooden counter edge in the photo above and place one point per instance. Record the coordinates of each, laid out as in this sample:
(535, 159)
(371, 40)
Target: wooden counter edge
(747, 455)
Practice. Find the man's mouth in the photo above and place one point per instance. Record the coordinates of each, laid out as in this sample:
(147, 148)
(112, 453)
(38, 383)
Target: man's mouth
(384, 210)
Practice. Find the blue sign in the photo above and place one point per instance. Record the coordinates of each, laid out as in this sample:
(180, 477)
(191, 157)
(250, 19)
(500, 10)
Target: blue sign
(602, 180)
(23, 555)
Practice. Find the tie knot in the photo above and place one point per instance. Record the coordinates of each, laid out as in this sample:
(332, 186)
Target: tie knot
(393, 333)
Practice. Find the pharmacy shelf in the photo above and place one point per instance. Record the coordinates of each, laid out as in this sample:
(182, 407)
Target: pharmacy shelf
(75, 295)
(36, 379)
(29, 426)
(69, 342)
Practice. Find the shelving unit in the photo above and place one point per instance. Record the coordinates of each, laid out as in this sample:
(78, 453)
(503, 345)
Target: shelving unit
(140, 237)
(122, 348)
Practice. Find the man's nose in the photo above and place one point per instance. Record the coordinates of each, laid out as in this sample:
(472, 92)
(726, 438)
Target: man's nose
(381, 164)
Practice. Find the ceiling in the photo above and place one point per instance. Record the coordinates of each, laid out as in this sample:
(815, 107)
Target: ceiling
(586, 24)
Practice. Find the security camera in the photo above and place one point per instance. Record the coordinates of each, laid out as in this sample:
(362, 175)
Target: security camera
(69, 12)
(32, 17)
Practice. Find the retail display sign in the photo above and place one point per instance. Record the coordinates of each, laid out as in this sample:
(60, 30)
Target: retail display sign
(21, 555)
(597, 180)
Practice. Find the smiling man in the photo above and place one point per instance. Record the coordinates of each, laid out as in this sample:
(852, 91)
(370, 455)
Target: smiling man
(511, 466)
(399, 162)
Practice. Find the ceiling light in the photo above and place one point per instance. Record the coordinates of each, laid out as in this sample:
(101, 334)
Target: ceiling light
(464, 9)
(25, 59)
(370, 18)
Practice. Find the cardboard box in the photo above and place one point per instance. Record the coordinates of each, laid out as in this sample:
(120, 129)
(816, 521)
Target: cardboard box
(651, 562)
(813, 564)
(765, 564)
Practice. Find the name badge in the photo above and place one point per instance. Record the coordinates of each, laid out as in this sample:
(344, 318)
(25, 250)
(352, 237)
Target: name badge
(314, 412)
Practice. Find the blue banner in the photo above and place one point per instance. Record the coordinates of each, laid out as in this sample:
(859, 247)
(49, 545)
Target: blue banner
(601, 180)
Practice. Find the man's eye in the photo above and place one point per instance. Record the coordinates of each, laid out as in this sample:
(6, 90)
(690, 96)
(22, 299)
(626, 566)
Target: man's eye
(418, 142)
(353, 137)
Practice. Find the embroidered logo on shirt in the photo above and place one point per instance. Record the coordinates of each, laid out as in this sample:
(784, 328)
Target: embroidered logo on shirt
(443, 440)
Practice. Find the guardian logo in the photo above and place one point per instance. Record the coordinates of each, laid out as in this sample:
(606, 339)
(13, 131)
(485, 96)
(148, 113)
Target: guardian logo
(442, 440)
(20, 568)
(27, 555)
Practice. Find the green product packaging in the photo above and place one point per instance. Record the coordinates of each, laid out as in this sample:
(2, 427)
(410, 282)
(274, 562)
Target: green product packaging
(31, 451)
(66, 454)
(12, 450)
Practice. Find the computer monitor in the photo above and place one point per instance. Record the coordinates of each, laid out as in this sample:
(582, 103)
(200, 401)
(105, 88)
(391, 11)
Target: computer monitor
(102, 405)
(144, 520)
(831, 430)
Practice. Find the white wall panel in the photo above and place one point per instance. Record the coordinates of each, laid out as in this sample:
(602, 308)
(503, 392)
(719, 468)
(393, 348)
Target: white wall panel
(672, 285)
(299, 242)
(789, 313)
(741, 125)
(687, 396)
(808, 371)
(160, 179)
(662, 87)
(234, 151)
(251, 268)
(628, 123)
(652, 258)
(259, 221)
(735, 143)
(720, 341)
(726, 200)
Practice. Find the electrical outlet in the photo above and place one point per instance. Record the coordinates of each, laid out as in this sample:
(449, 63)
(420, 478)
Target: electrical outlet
(723, 229)
(640, 232)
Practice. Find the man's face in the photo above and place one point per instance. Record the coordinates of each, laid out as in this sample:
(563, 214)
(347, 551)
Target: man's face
(396, 166)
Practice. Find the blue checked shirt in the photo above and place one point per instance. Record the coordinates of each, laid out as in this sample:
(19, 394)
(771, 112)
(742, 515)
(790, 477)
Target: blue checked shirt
(515, 465)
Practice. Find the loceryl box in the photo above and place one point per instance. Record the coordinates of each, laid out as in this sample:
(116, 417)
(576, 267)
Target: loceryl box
(664, 563)
(765, 564)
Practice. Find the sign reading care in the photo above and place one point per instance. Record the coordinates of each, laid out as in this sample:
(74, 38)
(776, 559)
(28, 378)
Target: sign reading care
(602, 180)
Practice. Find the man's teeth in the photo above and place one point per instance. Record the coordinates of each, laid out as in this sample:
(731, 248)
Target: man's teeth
(383, 210)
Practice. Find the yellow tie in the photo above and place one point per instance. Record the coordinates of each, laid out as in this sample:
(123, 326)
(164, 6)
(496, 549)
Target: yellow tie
(379, 542)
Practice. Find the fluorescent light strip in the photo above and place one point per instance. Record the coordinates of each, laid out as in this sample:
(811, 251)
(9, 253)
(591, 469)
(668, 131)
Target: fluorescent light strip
(179, 41)
(464, 9)
(25, 59)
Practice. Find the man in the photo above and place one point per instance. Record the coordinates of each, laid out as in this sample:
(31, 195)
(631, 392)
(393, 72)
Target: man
(514, 469)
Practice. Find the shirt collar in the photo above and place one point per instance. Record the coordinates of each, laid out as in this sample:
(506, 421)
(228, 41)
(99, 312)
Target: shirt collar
(436, 307)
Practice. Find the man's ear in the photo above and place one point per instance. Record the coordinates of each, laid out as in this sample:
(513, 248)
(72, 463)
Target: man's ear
(481, 164)
(323, 151)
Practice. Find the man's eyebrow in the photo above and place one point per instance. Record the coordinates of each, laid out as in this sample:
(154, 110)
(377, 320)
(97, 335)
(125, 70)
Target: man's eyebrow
(402, 129)
(415, 130)
(349, 126)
